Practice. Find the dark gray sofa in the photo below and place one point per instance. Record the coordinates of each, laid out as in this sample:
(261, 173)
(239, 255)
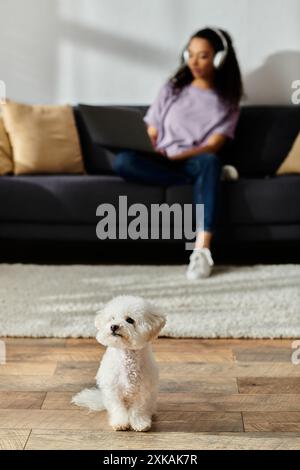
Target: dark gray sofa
(257, 207)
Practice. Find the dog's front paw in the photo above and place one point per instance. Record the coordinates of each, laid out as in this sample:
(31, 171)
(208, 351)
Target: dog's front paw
(121, 427)
(119, 423)
(140, 423)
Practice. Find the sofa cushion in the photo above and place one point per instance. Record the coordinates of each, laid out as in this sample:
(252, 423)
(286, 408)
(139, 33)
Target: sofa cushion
(281, 136)
(74, 199)
(44, 138)
(252, 201)
(6, 162)
(291, 164)
(97, 160)
(67, 198)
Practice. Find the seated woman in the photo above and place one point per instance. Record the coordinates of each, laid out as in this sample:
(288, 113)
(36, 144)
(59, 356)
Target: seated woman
(194, 113)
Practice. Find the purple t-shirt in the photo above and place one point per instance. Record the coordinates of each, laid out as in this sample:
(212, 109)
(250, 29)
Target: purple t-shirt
(186, 121)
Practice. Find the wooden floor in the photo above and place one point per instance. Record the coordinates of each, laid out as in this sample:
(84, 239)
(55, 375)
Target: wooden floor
(224, 394)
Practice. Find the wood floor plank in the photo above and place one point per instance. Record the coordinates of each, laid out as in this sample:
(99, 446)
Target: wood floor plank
(27, 368)
(263, 354)
(46, 354)
(13, 439)
(191, 421)
(183, 356)
(226, 342)
(59, 401)
(269, 385)
(176, 421)
(53, 419)
(204, 385)
(272, 421)
(229, 369)
(82, 343)
(21, 400)
(44, 383)
(43, 439)
(227, 402)
(77, 368)
(276, 416)
(222, 343)
(34, 342)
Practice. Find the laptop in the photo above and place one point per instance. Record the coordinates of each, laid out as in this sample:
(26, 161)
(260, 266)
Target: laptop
(118, 128)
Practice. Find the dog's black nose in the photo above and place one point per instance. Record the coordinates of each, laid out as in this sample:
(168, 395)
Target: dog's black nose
(114, 328)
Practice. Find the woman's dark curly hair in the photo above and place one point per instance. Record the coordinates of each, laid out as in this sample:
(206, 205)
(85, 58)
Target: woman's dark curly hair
(228, 81)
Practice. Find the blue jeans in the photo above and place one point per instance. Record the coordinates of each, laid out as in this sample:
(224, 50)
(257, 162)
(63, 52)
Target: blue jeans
(203, 171)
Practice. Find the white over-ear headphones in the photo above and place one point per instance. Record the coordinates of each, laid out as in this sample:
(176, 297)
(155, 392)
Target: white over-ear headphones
(219, 57)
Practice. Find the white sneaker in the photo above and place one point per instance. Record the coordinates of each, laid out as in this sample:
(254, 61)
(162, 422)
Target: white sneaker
(229, 173)
(201, 264)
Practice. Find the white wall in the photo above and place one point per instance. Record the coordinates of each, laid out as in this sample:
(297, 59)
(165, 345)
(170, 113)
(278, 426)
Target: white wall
(121, 51)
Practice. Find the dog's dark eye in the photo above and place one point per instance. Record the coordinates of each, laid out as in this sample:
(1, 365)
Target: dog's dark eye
(129, 320)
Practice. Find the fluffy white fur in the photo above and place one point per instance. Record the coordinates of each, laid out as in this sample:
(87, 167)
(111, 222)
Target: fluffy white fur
(127, 379)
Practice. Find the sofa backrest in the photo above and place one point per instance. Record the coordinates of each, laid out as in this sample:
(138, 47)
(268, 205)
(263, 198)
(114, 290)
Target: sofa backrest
(97, 160)
(264, 135)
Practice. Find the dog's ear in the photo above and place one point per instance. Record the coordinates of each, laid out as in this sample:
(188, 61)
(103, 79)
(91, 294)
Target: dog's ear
(157, 321)
(99, 319)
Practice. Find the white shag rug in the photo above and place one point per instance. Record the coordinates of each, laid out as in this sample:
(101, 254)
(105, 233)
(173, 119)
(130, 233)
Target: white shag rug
(261, 301)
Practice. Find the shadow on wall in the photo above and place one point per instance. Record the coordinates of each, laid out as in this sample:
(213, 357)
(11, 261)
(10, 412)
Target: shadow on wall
(114, 43)
(42, 63)
(28, 53)
(271, 83)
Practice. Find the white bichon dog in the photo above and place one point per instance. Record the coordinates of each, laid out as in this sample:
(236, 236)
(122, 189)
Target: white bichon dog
(127, 379)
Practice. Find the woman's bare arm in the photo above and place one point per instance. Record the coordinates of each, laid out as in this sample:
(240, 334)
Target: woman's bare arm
(213, 145)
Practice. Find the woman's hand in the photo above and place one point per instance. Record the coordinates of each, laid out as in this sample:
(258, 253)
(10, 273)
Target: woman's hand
(162, 152)
(153, 134)
(212, 145)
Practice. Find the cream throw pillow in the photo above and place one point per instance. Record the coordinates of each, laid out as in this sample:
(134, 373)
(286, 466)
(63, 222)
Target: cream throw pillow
(44, 138)
(6, 163)
(291, 164)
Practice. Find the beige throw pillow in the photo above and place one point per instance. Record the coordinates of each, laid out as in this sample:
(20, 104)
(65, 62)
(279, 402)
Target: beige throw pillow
(291, 164)
(44, 138)
(6, 163)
